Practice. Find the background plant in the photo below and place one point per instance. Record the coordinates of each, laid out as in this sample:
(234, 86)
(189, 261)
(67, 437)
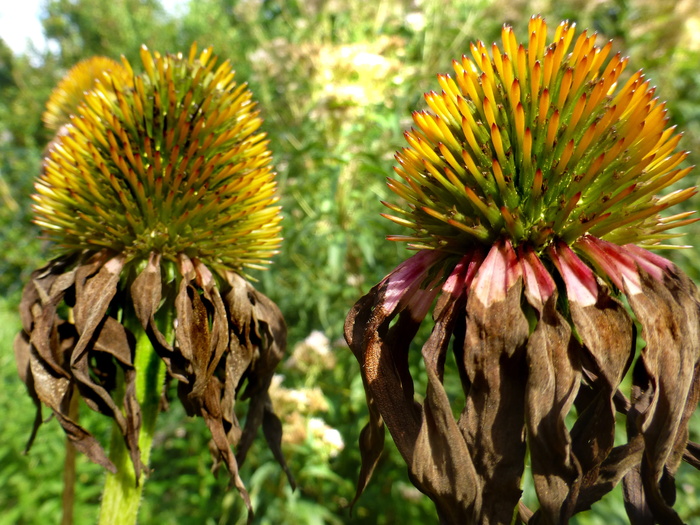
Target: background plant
(336, 82)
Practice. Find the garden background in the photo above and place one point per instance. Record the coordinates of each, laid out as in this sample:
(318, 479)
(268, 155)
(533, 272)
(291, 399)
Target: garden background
(336, 82)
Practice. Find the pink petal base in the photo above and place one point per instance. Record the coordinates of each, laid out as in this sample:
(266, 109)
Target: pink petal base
(490, 277)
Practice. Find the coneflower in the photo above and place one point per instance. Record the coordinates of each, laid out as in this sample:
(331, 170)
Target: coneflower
(531, 188)
(158, 194)
(70, 91)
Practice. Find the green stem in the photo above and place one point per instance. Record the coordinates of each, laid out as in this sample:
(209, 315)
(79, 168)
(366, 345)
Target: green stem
(68, 498)
(122, 495)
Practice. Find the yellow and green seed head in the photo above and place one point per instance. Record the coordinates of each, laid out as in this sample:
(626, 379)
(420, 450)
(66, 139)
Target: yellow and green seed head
(536, 142)
(70, 92)
(171, 162)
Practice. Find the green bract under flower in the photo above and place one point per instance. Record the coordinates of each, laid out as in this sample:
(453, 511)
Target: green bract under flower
(538, 142)
(170, 162)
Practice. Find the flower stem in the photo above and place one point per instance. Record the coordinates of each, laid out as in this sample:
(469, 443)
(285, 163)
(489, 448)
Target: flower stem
(68, 498)
(122, 495)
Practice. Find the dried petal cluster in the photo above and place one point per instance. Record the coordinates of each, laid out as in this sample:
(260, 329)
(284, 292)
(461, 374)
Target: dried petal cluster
(531, 189)
(159, 192)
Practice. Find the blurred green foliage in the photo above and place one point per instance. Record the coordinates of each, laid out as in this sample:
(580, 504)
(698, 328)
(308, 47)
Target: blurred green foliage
(336, 82)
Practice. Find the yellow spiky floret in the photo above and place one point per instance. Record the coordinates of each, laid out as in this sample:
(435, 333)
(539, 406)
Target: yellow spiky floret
(537, 142)
(171, 161)
(70, 91)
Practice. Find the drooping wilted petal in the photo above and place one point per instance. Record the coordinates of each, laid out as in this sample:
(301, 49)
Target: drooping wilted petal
(44, 351)
(225, 340)
(665, 385)
(442, 466)
(554, 375)
(382, 351)
(372, 435)
(607, 335)
(268, 335)
(538, 154)
(494, 359)
(95, 287)
(157, 187)
(146, 294)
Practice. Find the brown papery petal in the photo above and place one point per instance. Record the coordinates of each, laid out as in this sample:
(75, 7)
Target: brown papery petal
(442, 466)
(665, 381)
(552, 384)
(246, 341)
(269, 339)
(373, 434)
(606, 332)
(375, 344)
(43, 353)
(493, 418)
(93, 295)
(146, 294)
(40, 299)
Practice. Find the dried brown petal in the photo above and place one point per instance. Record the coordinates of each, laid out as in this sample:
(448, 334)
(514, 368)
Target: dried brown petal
(608, 343)
(146, 294)
(99, 332)
(44, 351)
(225, 341)
(367, 332)
(266, 332)
(692, 454)
(373, 434)
(618, 463)
(552, 384)
(665, 386)
(442, 466)
(492, 424)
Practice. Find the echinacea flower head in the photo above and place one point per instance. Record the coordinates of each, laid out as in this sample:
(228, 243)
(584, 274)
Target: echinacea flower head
(69, 93)
(172, 164)
(532, 187)
(158, 194)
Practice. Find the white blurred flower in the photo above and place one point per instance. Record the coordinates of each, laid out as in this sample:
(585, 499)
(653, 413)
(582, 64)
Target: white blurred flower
(314, 352)
(328, 436)
(415, 21)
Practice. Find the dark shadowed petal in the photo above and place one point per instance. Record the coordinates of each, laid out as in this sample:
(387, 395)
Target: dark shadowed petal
(554, 374)
(665, 381)
(494, 359)
(94, 292)
(606, 332)
(692, 452)
(441, 463)
(620, 462)
(382, 351)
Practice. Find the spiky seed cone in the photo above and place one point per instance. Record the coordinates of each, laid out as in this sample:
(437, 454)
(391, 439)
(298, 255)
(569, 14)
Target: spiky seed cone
(69, 94)
(536, 142)
(170, 162)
